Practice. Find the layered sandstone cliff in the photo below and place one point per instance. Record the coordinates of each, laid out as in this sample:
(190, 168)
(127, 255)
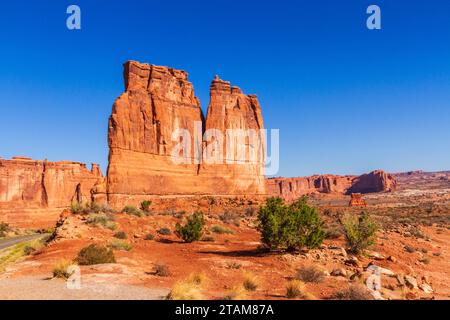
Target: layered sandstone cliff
(292, 188)
(157, 112)
(28, 187)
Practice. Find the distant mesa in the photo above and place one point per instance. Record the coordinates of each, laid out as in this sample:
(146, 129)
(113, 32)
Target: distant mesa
(292, 188)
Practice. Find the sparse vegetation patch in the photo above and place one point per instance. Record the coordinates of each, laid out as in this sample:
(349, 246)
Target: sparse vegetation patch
(290, 227)
(95, 254)
(192, 230)
(360, 232)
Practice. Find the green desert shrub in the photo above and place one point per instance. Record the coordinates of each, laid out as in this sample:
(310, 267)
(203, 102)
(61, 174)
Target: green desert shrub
(221, 230)
(162, 270)
(102, 219)
(229, 217)
(4, 228)
(164, 231)
(120, 235)
(117, 244)
(88, 208)
(192, 230)
(133, 211)
(290, 227)
(76, 207)
(145, 205)
(95, 254)
(207, 239)
(149, 236)
(360, 232)
(29, 250)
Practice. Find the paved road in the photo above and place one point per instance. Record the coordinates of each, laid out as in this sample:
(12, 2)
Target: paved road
(39, 288)
(6, 243)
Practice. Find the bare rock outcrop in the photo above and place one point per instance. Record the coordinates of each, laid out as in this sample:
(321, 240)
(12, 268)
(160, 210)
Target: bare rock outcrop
(356, 200)
(31, 187)
(375, 181)
(156, 114)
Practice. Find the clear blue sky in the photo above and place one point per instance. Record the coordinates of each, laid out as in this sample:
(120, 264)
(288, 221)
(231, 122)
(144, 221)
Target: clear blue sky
(346, 99)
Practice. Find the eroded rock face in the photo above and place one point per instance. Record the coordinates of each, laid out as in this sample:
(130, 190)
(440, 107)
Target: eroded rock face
(144, 134)
(375, 181)
(29, 186)
(293, 188)
(357, 200)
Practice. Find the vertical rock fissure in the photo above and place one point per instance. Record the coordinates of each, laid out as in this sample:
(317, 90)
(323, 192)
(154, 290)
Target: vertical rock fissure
(44, 195)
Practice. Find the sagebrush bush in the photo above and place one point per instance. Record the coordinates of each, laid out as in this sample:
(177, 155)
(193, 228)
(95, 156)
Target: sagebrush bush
(149, 236)
(230, 218)
(162, 270)
(207, 239)
(4, 228)
(221, 230)
(95, 254)
(76, 207)
(360, 232)
(193, 229)
(117, 244)
(87, 208)
(120, 235)
(28, 250)
(310, 273)
(102, 219)
(133, 211)
(354, 292)
(290, 227)
(164, 231)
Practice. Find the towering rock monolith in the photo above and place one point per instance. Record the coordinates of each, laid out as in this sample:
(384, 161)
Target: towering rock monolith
(158, 113)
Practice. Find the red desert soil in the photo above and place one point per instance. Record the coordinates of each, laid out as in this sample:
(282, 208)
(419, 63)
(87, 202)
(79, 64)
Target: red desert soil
(225, 260)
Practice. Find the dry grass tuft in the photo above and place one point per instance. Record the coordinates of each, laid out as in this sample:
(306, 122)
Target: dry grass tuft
(198, 279)
(295, 289)
(236, 293)
(186, 290)
(61, 269)
(251, 282)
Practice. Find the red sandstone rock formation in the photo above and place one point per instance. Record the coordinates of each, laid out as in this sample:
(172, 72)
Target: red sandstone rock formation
(357, 200)
(293, 188)
(375, 181)
(29, 187)
(242, 172)
(143, 135)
